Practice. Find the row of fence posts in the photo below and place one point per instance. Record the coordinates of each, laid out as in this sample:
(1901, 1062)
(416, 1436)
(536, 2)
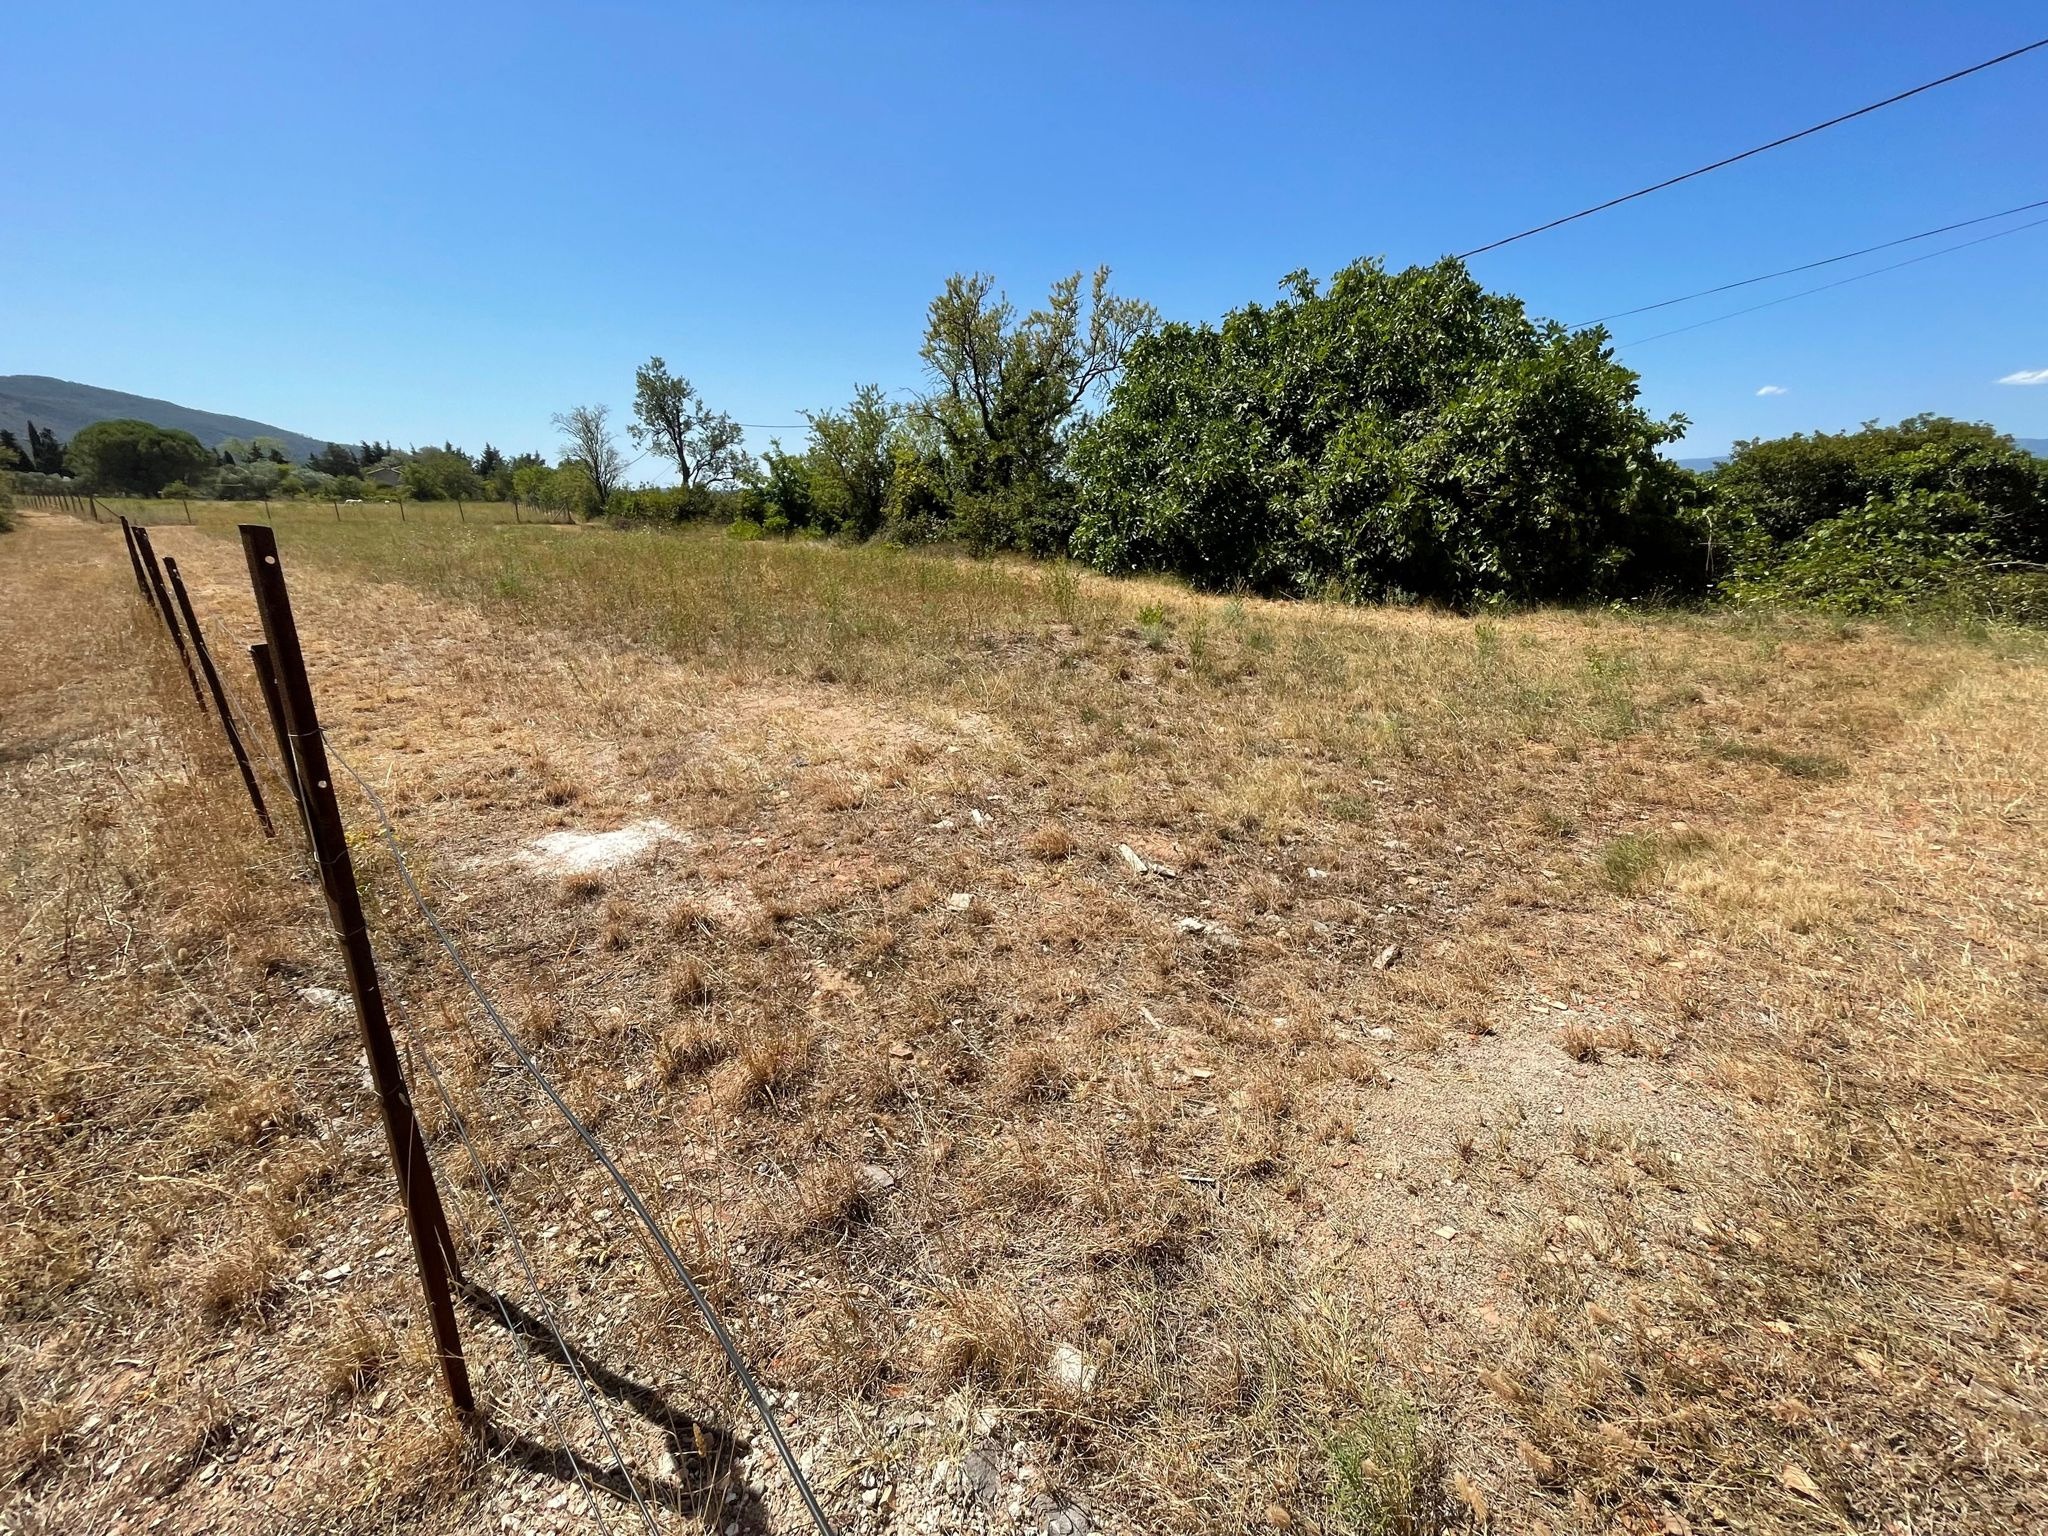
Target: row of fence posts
(280, 669)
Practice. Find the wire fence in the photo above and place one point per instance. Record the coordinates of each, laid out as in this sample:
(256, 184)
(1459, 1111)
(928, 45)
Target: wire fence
(582, 1441)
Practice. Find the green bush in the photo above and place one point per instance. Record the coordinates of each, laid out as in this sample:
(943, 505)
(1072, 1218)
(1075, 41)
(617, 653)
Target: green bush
(1773, 491)
(1404, 432)
(1923, 550)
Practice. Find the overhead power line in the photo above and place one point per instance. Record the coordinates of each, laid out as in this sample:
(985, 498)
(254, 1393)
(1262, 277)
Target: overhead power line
(1837, 283)
(1672, 181)
(1808, 266)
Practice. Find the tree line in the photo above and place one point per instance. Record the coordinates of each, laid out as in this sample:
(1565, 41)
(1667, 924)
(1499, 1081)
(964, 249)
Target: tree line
(1389, 436)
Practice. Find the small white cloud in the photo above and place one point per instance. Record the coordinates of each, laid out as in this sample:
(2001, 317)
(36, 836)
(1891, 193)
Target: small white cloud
(2027, 376)
(1772, 389)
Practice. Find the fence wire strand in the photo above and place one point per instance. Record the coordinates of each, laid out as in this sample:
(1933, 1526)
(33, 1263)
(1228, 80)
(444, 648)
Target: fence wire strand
(388, 835)
(547, 1310)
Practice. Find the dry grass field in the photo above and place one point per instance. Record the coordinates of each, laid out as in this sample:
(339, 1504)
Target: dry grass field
(1121, 1060)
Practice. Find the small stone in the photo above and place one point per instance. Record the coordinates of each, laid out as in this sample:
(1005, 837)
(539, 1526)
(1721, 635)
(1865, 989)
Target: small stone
(1317, 874)
(977, 818)
(959, 901)
(1447, 1233)
(1129, 855)
(875, 1179)
(1382, 1032)
(1192, 925)
(1387, 957)
(1072, 1368)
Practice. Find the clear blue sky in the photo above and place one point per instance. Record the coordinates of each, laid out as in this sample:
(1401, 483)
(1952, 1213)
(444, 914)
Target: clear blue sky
(448, 221)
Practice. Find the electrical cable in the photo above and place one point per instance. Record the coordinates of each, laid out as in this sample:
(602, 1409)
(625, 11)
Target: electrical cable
(1837, 283)
(1672, 181)
(1825, 261)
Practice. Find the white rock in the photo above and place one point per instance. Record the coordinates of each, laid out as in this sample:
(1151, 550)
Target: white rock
(959, 901)
(1381, 1032)
(1129, 855)
(581, 853)
(1072, 1369)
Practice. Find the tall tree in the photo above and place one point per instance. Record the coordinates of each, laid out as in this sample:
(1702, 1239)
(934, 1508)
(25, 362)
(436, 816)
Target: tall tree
(1010, 392)
(44, 451)
(851, 461)
(334, 459)
(439, 474)
(672, 420)
(587, 435)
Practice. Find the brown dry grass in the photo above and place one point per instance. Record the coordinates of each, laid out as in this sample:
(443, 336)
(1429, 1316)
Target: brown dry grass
(1571, 1068)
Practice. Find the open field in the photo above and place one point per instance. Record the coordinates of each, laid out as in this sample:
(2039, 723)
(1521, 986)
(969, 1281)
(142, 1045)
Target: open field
(1569, 1070)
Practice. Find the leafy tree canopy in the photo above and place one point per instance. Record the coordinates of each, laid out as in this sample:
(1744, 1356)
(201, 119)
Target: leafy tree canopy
(1009, 391)
(135, 458)
(670, 418)
(1402, 433)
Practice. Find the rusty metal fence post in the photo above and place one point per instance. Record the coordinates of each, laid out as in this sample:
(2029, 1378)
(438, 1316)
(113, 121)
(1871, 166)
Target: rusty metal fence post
(425, 1220)
(134, 559)
(163, 607)
(273, 706)
(220, 698)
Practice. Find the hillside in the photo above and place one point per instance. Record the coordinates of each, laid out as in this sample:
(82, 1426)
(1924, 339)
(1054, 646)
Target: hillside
(64, 407)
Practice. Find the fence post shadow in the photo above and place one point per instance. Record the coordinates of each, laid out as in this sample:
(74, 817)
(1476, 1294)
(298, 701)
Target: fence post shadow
(704, 1455)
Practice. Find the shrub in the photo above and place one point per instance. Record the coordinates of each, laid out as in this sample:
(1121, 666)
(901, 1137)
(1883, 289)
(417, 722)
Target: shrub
(1402, 431)
(1925, 550)
(1775, 490)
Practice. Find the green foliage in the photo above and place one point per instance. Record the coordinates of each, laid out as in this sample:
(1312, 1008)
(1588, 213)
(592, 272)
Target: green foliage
(1386, 1472)
(440, 474)
(1922, 550)
(566, 488)
(1010, 393)
(919, 507)
(788, 498)
(1774, 490)
(850, 464)
(675, 504)
(673, 421)
(1402, 434)
(134, 458)
(46, 456)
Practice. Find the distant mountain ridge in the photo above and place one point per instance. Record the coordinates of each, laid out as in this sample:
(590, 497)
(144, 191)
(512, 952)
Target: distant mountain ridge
(61, 406)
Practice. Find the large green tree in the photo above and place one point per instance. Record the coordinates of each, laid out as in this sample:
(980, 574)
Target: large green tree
(670, 418)
(1400, 433)
(1009, 391)
(135, 458)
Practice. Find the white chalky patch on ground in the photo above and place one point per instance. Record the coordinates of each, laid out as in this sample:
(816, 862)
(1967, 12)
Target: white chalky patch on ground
(578, 853)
